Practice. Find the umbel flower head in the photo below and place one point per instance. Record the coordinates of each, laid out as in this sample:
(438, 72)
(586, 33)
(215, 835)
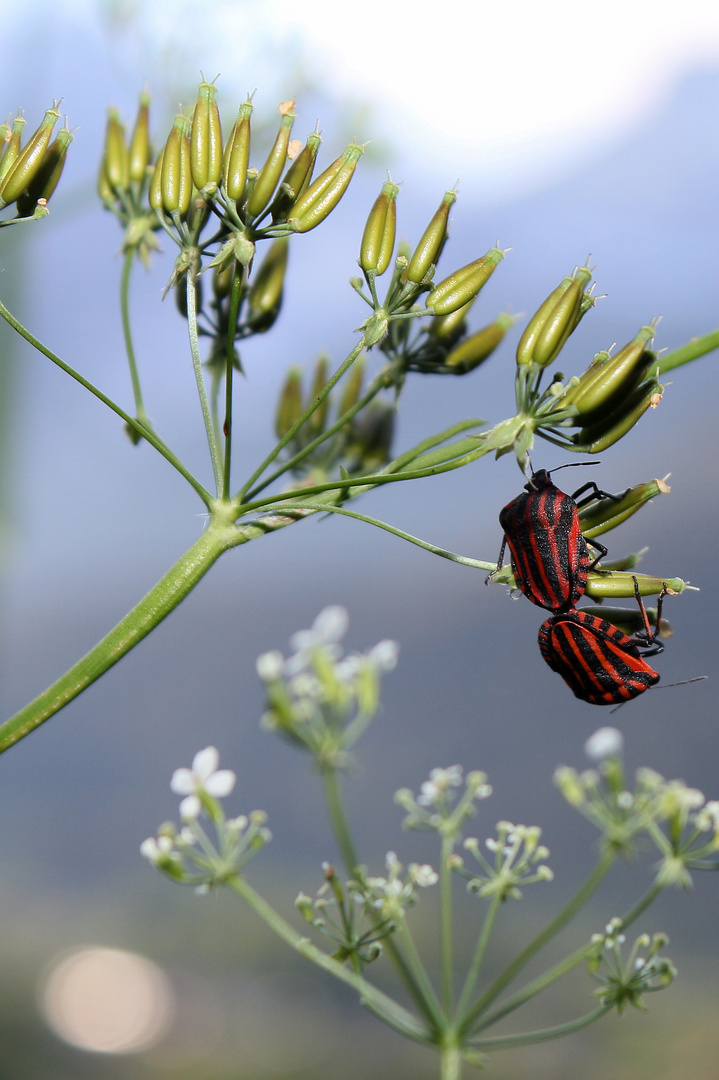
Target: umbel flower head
(202, 780)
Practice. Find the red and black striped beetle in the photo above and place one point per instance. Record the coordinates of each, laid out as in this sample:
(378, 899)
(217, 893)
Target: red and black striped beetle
(550, 557)
(598, 662)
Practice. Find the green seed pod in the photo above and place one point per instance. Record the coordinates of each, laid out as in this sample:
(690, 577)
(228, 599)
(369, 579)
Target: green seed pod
(602, 388)
(316, 422)
(48, 175)
(373, 429)
(12, 145)
(270, 173)
(475, 349)
(629, 620)
(379, 233)
(176, 182)
(615, 585)
(464, 284)
(446, 329)
(561, 321)
(605, 514)
(352, 386)
(536, 325)
(595, 439)
(154, 192)
(265, 297)
(297, 178)
(206, 138)
(236, 157)
(29, 160)
(321, 197)
(428, 250)
(140, 152)
(116, 157)
(222, 280)
(289, 407)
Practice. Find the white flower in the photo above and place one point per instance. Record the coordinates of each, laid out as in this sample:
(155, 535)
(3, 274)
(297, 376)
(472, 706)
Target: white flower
(440, 780)
(423, 875)
(155, 848)
(384, 655)
(204, 776)
(270, 665)
(329, 627)
(604, 743)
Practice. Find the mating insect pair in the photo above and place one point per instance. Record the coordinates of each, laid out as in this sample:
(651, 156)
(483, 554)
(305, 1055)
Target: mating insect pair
(551, 562)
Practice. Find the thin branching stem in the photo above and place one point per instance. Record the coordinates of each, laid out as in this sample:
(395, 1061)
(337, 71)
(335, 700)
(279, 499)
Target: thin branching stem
(210, 432)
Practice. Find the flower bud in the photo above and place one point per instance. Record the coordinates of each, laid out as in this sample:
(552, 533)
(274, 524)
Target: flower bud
(323, 194)
(379, 233)
(265, 297)
(269, 175)
(29, 160)
(595, 439)
(237, 154)
(428, 250)
(616, 584)
(605, 514)
(603, 386)
(140, 152)
(48, 175)
(297, 178)
(176, 176)
(11, 148)
(475, 349)
(352, 386)
(554, 320)
(316, 422)
(464, 284)
(289, 408)
(206, 138)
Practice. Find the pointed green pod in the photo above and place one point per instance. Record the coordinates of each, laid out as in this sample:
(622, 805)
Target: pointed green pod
(602, 388)
(28, 161)
(154, 192)
(447, 329)
(615, 585)
(604, 514)
(595, 439)
(464, 284)
(537, 325)
(323, 194)
(289, 407)
(116, 157)
(475, 349)
(48, 175)
(176, 176)
(206, 138)
(270, 173)
(561, 321)
(297, 178)
(316, 422)
(265, 298)
(236, 157)
(378, 237)
(140, 150)
(429, 248)
(11, 148)
(352, 386)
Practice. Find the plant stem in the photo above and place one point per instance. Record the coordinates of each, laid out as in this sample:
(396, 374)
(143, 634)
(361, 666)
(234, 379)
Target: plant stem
(550, 930)
(691, 351)
(379, 1003)
(476, 964)
(451, 1063)
(445, 909)
(237, 278)
(212, 443)
(302, 420)
(506, 1042)
(146, 433)
(338, 819)
(127, 265)
(137, 624)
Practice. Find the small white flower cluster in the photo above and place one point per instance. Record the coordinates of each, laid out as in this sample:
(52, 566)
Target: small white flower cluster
(518, 860)
(628, 980)
(319, 698)
(393, 894)
(440, 807)
(188, 855)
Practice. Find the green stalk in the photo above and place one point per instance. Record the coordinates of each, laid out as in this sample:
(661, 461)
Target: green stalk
(550, 930)
(338, 820)
(200, 380)
(507, 1042)
(146, 433)
(127, 265)
(137, 624)
(476, 964)
(379, 1003)
(237, 278)
(302, 420)
(691, 351)
(445, 909)
(450, 1063)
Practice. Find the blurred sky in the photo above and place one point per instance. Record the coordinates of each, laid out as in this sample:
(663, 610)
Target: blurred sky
(574, 129)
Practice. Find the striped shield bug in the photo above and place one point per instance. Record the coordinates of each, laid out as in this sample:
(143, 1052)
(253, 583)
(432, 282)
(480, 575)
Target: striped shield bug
(550, 557)
(600, 663)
